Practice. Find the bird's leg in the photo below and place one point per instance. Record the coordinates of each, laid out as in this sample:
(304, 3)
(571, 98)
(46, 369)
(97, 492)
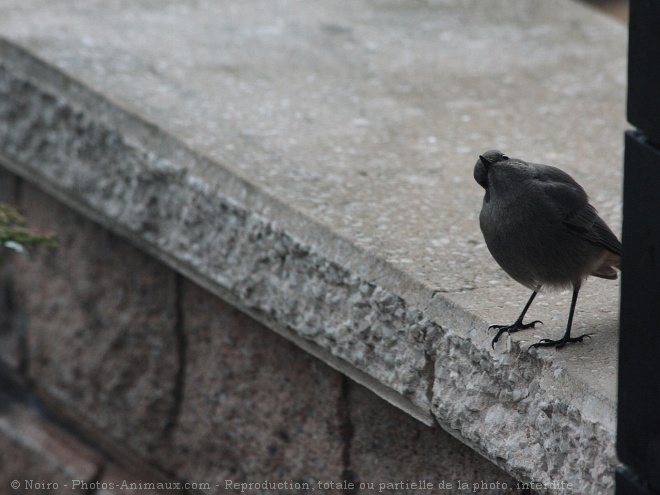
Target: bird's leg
(517, 325)
(566, 339)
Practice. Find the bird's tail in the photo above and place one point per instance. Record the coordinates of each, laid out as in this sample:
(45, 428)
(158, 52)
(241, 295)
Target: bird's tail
(607, 267)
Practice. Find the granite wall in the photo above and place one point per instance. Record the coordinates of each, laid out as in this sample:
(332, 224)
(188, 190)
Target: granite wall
(117, 372)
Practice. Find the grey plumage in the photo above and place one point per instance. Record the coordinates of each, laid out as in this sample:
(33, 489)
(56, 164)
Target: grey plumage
(540, 228)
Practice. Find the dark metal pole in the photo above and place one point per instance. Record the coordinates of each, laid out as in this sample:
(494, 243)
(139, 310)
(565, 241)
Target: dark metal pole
(638, 431)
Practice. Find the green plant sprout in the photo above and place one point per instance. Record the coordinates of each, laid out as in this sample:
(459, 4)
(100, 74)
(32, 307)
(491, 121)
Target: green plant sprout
(15, 234)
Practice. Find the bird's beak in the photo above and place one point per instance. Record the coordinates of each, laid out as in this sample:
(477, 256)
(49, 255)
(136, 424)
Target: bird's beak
(487, 163)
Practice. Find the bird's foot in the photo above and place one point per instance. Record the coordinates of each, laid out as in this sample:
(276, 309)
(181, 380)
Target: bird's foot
(519, 325)
(558, 344)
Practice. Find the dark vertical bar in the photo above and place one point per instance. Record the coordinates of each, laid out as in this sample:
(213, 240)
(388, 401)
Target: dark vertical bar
(638, 435)
(644, 67)
(638, 432)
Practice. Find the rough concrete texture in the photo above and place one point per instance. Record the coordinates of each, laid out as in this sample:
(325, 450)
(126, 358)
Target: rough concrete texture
(559, 425)
(311, 162)
(181, 217)
(100, 318)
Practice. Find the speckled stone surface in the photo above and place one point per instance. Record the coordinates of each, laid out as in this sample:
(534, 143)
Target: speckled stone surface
(311, 163)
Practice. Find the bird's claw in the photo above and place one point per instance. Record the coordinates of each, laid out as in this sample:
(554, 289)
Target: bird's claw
(558, 344)
(519, 325)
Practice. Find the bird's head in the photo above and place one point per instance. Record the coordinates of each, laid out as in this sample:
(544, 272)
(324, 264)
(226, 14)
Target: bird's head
(484, 164)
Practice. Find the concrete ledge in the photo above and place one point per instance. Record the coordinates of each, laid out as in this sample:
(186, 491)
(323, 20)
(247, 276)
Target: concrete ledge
(161, 204)
(312, 166)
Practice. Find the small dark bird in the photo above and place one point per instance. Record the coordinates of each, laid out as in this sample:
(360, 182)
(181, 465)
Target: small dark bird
(540, 228)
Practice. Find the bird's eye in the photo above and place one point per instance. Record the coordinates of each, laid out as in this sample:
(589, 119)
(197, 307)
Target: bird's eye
(504, 157)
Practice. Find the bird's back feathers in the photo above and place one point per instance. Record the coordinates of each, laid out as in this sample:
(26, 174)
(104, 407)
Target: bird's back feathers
(572, 204)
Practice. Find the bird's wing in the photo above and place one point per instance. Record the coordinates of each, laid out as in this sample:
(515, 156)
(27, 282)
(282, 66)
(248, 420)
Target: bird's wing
(587, 224)
(571, 204)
